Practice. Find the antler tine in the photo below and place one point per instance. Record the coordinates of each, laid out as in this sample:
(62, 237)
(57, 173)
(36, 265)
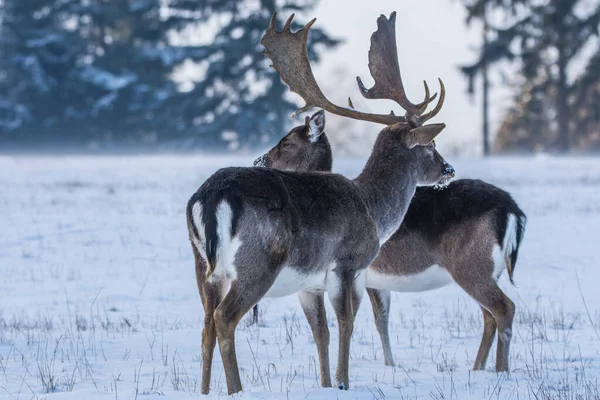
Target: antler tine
(384, 68)
(427, 100)
(273, 22)
(288, 23)
(438, 106)
(288, 52)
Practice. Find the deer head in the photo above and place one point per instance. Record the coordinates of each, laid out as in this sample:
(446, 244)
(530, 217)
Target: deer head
(288, 52)
(304, 148)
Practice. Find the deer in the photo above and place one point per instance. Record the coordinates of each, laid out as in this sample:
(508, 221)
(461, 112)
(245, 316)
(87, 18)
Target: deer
(260, 232)
(467, 233)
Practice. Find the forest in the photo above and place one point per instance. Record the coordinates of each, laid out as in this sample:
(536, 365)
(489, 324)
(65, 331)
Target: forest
(75, 72)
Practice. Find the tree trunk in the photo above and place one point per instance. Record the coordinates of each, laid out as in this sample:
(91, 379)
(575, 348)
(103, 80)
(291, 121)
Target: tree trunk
(562, 93)
(486, 87)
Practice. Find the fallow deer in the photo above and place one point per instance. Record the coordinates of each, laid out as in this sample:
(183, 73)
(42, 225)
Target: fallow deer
(263, 232)
(467, 233)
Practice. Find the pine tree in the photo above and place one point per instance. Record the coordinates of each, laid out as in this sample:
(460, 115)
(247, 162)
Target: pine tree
(38, 52)
(586, 106)
(545, 37)
(105, 70)
(240, 101)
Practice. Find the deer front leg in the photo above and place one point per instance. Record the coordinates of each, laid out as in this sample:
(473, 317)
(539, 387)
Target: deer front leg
(313, 305)
(380, 301)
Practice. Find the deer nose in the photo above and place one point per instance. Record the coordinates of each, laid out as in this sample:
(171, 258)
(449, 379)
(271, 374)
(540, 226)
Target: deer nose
(448, 170)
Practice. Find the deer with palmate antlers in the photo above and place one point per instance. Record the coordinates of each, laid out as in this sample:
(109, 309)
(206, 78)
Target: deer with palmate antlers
(259, 232)
(467, 233)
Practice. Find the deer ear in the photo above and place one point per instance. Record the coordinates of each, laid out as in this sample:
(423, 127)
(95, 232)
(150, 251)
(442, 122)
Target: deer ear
(423, 135)
(316, 125)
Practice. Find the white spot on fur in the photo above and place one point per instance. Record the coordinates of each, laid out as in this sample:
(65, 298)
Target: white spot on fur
(197, 221)
(228, 246)
(505, 335)
(431, 278)
(501, 256)
(290, 281)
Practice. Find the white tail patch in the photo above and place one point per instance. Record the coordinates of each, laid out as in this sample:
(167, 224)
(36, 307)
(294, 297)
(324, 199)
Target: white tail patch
(199, 241)
(228, 245)
(501, 256)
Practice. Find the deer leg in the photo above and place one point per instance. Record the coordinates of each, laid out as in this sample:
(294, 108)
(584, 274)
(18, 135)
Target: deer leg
(242, 296)
(211, 296)
(340, 294)
(313, 305)
(255, 315)
(380, 301)
(489, 331)
(504, 314)
(492, 298)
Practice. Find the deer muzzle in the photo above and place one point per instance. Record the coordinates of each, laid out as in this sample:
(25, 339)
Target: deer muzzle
(448, 171)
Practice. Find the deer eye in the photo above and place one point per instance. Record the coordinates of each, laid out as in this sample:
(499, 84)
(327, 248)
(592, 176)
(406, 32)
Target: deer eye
(286, 145)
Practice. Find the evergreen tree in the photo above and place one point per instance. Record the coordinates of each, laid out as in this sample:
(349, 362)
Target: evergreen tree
(101, 69)
(545, 37)
(125, 79)
(240, 100)
(38, 52)
(586, 106)
(490, 53)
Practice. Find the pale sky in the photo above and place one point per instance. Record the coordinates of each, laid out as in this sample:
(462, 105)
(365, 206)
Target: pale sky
(432, 41)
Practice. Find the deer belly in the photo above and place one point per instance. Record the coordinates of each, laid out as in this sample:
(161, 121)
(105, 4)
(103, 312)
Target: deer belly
(290, 281)
(433, 277)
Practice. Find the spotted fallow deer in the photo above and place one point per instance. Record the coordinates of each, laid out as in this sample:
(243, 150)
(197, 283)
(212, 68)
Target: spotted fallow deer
(259, 232)
(467, 233)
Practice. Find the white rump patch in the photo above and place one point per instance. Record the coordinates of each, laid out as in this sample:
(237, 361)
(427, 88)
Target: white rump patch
(501, 256)
(197, 221)
(431, 278)
(228, 246)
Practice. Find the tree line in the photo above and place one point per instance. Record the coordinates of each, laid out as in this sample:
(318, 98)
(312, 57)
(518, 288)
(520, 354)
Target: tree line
(554, 108)
(106, 71)
(110, 72)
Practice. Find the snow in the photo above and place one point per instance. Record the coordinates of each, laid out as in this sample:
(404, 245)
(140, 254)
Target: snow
(99, 300)
(105, 79)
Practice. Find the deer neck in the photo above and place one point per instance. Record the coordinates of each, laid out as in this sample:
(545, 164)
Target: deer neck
(388, 183)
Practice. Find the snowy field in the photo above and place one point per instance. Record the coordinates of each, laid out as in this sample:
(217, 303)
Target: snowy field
(98, 298)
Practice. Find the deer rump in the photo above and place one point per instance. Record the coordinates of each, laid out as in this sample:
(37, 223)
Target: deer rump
(273, 217)
(448, 223)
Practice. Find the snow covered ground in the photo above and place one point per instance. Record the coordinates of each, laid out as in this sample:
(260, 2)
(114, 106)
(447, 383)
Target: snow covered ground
(98, 298)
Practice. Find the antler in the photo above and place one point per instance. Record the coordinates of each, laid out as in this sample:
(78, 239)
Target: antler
(288, 51)
(289, 54)
(384, 68)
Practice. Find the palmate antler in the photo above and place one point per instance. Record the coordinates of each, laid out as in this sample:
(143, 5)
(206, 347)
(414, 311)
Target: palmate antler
(288, 51)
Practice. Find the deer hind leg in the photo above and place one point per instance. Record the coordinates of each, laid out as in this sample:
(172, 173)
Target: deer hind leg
(491, 298)
(313, 305)
(210, 294)
(243, 294)
(489, 332)
(380, 301)
(342, 294)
